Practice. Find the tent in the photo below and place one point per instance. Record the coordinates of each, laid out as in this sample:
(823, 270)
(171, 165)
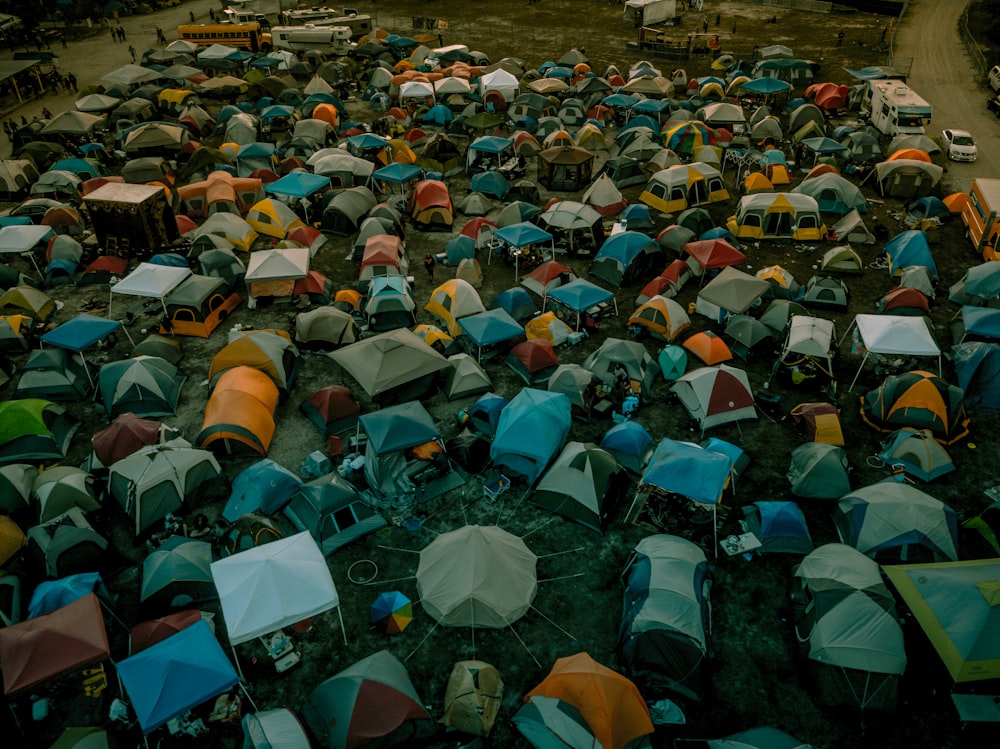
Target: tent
(274, 272)
(580, 484)
(389, 363)
(169, 678)
(240, 412)
(890, 515)
(779, 526)
(264, 487)
(453, 300)
(61, 487)
(713, 396)
(143, 385)
(274, 729)
(472, 698)
(577, 384)
(954, 603)
(918, 453)
(151, 281)
(54, 374)
(917, 399)
(777, 216)
(846, 619)
(325, 328)
(625, 257)
(158, 480)
(977, 367)
(819, 471)
(895, 335)
(176, 574)
(833, 194)
(332, 409)
(732, 292)
(534, 360)
(909, 248)
(272, 586)
(630, 444)
(466, 377)
(34, 430)
(687, 470)
(665, 631)
(548, 722)
(611, 705)
(639, 365)
(532, 428)
(66, 640)
(851, 228)
(370, 700)
(333, 513)
(269, 351)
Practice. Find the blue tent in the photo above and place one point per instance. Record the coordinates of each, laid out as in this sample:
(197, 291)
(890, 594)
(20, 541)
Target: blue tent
(977, 369)
(630, 444)
(169, 678)
(81, 167)
(624, 257)
(580, 295)
(641, 120)
(517, 302)
(256, 150)
(654, 106)
(170, 260)
(298, 184)
(484, 414)
(80, 333)
(54, 594)
(673, 362)
(459, 248)
(688, 470)
(398, 427)
(439, 114)
(490, 327)
(925, 207)
(265, 487)
(907, 249)
(779, 526)
(983, 322)
(490, 183)
(531, 430)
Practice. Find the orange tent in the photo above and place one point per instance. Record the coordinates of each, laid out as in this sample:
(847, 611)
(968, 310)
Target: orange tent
(610, 703)
(914, 154)
(240, 410)
(956, 202)
(708, 347)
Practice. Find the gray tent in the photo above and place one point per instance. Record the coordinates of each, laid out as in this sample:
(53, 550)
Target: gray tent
(465, 377)
(178, 574)
(579, 484)
(846, 618)
(819, 471)
(54, 374)
(389, 362)
(343, 214)
(333, 513)
(66, 545)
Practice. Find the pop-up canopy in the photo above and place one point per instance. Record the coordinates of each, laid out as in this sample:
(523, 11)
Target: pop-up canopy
(895, 335)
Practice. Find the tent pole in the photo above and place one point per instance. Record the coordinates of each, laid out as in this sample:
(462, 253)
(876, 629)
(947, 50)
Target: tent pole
(343, 631)
(858, 373)
(247, 695)
(715, 529)
(236, 658)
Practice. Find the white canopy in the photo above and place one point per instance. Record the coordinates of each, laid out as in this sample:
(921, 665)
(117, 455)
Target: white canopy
(22, 238)
(276, 265)
(272, 586)
(895, 335)
(150, 280)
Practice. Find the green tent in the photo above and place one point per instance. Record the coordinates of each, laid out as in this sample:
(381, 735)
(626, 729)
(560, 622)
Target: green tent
(34, 430)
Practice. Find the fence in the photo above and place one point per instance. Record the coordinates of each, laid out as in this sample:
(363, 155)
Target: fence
(976, 56)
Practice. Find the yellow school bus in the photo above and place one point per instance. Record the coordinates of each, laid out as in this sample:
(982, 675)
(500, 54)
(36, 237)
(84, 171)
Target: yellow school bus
(248, 36)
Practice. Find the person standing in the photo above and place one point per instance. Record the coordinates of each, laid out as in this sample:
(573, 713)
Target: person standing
(840, 39)
(131, 51)
(429, 264)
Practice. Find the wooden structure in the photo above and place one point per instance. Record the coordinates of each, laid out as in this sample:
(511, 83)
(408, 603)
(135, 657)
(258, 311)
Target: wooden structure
(131, 220)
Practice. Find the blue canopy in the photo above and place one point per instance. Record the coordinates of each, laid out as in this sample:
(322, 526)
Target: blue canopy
(491, 327)
(80, 333)
(54, 594)
(298, 184)
(532, 429)
(909, 248)
(619, 100)
(522, 234)
(398, 427)
(491, 144)
(687, 470)
(766, 86)
(265, 487)
(398, 174)
(256, 150)
(656, 106)
(171, 677)
(580, 295)
(823, 145)
(366, 141)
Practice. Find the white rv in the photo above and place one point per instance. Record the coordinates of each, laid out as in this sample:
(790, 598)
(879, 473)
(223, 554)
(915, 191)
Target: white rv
(359, 23)
(895, 108)
(326, 39)
(649, 12)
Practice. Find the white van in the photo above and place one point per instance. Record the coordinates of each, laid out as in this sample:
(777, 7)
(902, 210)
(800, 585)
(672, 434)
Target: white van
(994, 77)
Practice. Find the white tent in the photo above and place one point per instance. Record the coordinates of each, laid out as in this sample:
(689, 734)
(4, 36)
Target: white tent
(150, 280)
(895, 335)
(502, 81)
(23, 239)
(272, 586)
(276, 265)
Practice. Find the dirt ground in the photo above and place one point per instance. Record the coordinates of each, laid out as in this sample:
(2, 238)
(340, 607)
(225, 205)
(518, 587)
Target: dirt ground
(756, 672)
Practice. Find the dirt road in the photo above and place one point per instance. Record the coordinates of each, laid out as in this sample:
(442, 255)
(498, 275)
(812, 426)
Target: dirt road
(944, 76)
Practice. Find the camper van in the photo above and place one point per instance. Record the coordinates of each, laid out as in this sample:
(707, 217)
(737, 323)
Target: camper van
(360, 24)
(334, 40)
(895, 108)
(649, 12)
(981, 216)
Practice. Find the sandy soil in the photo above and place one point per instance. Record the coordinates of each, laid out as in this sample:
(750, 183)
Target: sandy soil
(756, 669)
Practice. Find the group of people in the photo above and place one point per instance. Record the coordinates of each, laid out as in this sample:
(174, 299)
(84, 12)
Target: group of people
(117, 33)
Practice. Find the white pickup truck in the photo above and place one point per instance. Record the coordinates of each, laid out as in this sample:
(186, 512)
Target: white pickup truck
(993, 77)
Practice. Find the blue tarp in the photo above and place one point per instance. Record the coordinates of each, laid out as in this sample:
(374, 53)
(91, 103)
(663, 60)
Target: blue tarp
(54, 594)
(687, 470)
(298, 184)
(265, 487)
(171, 677)
(531, 430)
(580, 295)
(80, 333)
(489, 328)
(398, 427)
(522, 234)
(909, 248)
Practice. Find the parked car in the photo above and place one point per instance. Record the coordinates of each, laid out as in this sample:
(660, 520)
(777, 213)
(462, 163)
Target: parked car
(959, 145)
(994, 105)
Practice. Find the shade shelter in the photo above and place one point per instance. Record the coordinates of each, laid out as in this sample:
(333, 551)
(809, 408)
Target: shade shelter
(82, 332)
(894, 335)
(151, 281)
(581, 297)
(273, 272)
(490, 328)
(169, 678)
(272, 586)
(520, 236)
(38, 650)
(22, 239)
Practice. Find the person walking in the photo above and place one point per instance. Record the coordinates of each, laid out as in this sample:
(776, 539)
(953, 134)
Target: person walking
(429, 264)
(191, 16)
(131, 51)
(840, 39)
(160, 37)
(71, 81)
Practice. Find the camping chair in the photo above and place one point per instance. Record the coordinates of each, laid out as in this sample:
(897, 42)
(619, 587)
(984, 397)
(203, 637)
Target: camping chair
(495, 487)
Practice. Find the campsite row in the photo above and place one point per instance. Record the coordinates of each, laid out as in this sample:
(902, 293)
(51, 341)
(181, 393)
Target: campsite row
(255, 197)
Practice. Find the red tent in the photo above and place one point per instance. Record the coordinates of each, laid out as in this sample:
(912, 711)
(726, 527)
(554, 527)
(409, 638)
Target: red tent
(126, 434)
(149, 633)
(52, 645)
(714, 253)
(332, 409)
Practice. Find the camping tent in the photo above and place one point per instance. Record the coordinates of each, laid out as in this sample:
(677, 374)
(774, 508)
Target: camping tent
(531, 429)
(819, 471)
(713, 396)
(389, 362)
(333, 512)
(917, 399)
(665, 629)
(578, 484)
(272, 586)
